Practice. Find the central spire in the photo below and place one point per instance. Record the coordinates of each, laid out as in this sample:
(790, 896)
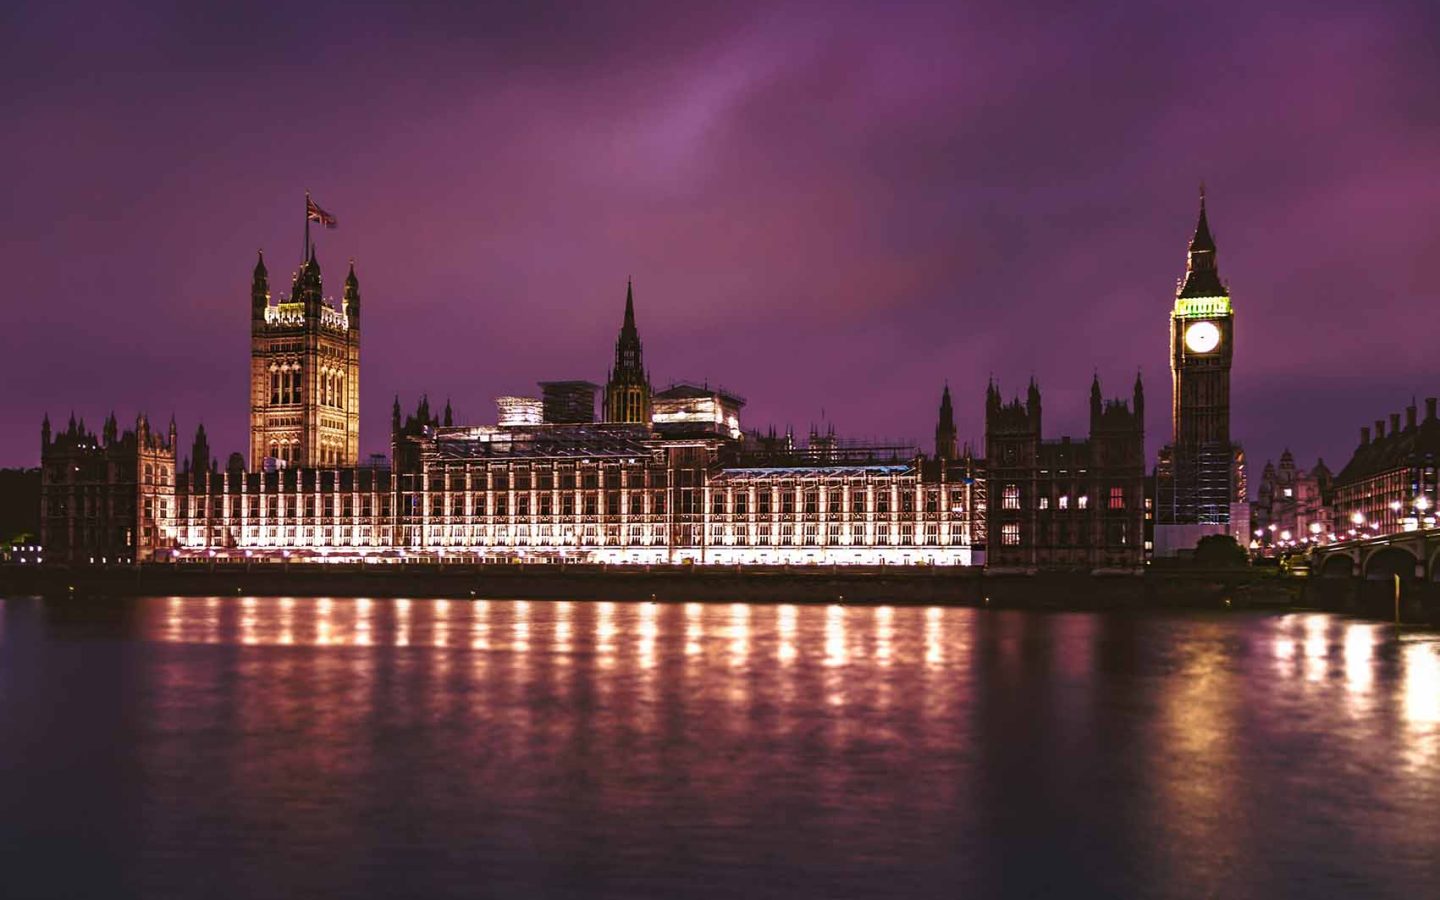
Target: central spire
(629, 352)
(627, 392)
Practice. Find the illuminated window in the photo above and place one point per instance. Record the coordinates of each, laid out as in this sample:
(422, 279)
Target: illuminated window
(1010, 497)
(1010, 534)
(1083, 501)
(1064, 501)
(1117, 498)
(1044, 503)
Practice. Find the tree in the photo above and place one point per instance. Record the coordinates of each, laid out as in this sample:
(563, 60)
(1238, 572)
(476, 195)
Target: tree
(1220, 551)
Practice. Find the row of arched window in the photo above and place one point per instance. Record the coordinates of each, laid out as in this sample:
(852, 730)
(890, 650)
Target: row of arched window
(286, 386)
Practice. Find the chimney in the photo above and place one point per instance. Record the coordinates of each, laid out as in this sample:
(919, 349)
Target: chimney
(1379, 429)
(1394, 423)
(1430, 409)
(1364, 435)
(1410, 417)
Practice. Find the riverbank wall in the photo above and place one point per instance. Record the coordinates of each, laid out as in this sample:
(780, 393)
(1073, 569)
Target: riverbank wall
(959, 586)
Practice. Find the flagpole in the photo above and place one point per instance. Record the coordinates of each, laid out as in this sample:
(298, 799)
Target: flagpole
(305, 253)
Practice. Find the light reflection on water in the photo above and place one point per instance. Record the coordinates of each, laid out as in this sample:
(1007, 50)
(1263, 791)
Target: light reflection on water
(421, 747)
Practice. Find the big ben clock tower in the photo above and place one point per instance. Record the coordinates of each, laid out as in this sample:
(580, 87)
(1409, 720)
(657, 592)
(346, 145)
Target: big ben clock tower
(1200, 475)
(1202, 331)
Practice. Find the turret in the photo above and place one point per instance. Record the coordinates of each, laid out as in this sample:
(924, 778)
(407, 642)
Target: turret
(395, 416)
(1097, 404)
(311, 285)
(945, 428)
(1139, 400)
(200, 452)
(449, 416)
(45, 433)
(1032, 404)
(112, 429)
(352, 297)
(259, 289)
(171, 432)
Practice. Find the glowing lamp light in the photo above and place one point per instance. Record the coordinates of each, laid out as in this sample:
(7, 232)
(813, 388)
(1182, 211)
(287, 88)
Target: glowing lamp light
(1285, 535)
(1358, 518)
(1315, 528)
(1422, 503)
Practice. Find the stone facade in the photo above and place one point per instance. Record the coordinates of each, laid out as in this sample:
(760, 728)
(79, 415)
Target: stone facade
(1292, 507)
(1389, 484)
(1065, 503)
(106, 500)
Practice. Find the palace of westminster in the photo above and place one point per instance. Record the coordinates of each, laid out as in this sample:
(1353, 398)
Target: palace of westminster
(659, 476)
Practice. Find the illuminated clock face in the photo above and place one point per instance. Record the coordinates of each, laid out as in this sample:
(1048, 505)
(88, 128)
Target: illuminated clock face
(1202, 337)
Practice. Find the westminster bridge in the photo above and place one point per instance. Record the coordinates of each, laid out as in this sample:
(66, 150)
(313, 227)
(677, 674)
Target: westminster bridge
(1360, 575)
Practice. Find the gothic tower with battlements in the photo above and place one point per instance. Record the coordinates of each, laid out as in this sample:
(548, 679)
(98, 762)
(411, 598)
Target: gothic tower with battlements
(304, 372)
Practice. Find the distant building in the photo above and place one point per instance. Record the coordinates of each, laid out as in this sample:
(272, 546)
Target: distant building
(19, 507)
(107, 500)
(1200, 475)
(1389, 484)
(1292, 508)
(1065, 503)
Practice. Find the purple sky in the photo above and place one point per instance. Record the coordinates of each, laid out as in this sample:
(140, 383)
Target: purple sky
(823, 206)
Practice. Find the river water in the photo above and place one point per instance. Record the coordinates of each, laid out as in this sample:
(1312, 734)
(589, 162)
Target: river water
(275, 747)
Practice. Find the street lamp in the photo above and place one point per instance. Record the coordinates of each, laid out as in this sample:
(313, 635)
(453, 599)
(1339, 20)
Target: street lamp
(1358, 518)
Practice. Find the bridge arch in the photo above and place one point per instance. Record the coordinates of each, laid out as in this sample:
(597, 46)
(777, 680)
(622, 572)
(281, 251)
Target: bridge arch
(1386, 562)
(1337, 565)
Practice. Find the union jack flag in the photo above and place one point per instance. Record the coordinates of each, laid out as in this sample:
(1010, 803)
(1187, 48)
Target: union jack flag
(313, 213)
